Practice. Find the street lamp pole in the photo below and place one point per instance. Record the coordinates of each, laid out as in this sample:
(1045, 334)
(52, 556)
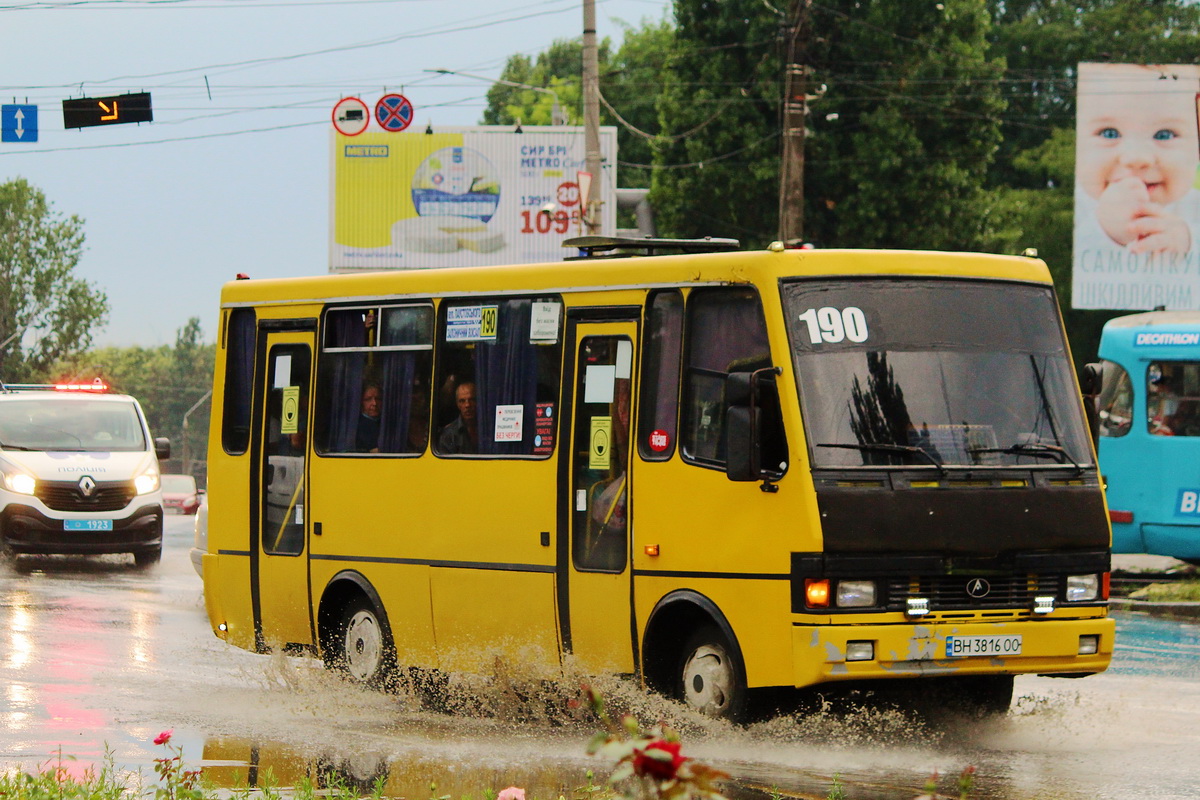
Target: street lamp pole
(557, 117)
(591, 116)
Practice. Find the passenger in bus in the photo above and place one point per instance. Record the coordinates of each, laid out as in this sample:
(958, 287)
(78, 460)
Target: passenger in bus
(1186, 419)
(1161, 404)
(462, 435)
(366, 435)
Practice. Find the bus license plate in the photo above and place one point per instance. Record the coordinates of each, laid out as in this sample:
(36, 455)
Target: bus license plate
(87, 525)
(961, 646)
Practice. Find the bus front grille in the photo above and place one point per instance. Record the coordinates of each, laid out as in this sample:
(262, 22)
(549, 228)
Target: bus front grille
(949, 592)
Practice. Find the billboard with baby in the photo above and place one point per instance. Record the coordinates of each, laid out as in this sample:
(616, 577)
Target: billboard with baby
(1137, 206)
(462, 197)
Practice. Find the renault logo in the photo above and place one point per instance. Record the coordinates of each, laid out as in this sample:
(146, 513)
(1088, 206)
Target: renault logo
(978, 588)
(87, 486)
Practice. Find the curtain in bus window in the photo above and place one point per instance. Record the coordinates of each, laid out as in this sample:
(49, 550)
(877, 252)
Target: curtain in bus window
(660, 385)
(399, 370)
(239, 378)
(506, 375)
(344, 329)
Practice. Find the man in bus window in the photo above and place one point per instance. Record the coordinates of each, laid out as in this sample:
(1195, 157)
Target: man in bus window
(461, 435)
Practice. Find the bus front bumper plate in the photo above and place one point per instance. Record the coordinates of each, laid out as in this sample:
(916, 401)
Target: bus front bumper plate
(908, 650)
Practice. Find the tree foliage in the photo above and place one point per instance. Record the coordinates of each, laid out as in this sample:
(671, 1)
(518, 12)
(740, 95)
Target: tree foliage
(46, 311)
(167, 381)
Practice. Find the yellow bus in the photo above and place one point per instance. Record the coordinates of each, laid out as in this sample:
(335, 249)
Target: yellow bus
(715, 470)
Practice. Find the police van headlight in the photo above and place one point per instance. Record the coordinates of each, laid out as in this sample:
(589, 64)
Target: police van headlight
(19, 482)
(1082, 587)
(147, 482)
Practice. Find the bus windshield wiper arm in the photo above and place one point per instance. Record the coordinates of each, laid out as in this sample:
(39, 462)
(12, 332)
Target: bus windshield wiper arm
(1059, 454)
(881, 447)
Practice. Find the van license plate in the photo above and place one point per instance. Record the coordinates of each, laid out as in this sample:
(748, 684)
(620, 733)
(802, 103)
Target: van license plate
(87, 525)
(961, 646)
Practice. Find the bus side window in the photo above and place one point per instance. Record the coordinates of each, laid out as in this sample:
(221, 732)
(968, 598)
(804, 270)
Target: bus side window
(239, 381)
(499, 367)
(662, 350)
(1115, 404)
(725, 330)
(373, 380)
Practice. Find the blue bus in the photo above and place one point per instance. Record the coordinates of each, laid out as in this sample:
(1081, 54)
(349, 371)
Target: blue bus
(1148, 426)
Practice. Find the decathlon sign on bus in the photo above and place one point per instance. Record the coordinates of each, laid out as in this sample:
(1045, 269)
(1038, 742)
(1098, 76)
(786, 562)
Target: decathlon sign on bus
(479, 196)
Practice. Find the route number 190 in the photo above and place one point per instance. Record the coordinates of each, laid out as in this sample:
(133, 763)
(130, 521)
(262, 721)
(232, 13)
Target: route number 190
(832, 325)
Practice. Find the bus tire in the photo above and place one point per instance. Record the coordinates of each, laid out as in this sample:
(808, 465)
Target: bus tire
(710, 678)
(362, 648)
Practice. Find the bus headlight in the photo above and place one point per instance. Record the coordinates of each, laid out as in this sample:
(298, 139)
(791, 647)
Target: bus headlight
(19, 482)
(855, 594)
(1082, 587)
(147, 482)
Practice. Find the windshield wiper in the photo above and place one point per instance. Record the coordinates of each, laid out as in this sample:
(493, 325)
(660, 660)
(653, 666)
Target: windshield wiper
(7, 446)
(1034, 450)
(880, 447)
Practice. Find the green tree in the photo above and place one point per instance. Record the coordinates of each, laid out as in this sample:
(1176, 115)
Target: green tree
(902, 140)
(46, 311)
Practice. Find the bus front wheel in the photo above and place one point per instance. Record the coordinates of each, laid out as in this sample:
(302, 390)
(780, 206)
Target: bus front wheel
(364, 649)
(710, 678)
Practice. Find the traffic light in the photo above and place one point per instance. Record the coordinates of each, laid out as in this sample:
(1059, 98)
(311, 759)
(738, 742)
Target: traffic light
(85, 112)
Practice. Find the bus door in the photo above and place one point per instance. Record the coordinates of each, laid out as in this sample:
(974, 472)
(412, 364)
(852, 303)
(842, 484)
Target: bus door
(596, 619)
(279, 572)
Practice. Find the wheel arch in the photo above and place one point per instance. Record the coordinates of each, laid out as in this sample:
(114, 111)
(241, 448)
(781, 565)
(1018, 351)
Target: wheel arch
(341, 589)
(672, 621)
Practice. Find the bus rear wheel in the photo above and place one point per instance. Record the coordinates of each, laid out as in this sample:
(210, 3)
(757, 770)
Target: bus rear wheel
(363, 648)
(710, 678)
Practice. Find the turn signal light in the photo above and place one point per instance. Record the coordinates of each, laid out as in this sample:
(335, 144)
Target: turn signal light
(816, 593)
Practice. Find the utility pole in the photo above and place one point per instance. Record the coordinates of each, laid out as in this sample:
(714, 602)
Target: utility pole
(795, 112)
(591, 117)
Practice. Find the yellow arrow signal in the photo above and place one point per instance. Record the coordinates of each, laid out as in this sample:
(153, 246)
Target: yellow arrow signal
(112, 113)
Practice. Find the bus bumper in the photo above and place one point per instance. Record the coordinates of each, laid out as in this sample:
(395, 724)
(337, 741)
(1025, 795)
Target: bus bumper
(1048, 646)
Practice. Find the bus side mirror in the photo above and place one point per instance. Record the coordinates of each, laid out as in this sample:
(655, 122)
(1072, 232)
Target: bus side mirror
(752, 422)
(162, 448)
(1091, 381)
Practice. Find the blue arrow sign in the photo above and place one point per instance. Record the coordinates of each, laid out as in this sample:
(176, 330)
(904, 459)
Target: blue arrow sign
(18, 123)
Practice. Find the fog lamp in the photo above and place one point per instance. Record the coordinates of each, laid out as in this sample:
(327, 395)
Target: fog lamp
(916, 606)
(860, 651)
(1089, 644)
(1043, 605)
(1082, 587)
(855, 594)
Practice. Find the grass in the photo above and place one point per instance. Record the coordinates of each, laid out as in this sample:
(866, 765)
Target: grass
(1173, 592)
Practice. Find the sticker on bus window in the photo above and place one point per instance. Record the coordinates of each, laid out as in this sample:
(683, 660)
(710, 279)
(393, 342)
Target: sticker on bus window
(543, 326)
(835, 325)
(289, 415)
(508, 423)
(283, 371)
(543, 429)
(660, 441)
(624, 359)
(472, 323)
(600, 451)
(599, 383)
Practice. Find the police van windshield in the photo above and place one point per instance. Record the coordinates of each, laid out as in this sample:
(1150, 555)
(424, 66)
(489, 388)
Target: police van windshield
(934, 373)
(48, 423)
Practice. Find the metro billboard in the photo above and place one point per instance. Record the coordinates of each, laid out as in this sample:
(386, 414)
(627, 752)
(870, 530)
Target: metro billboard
(461, 197)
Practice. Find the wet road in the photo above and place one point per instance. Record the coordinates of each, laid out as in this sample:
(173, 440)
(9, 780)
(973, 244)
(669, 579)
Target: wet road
(96, 655)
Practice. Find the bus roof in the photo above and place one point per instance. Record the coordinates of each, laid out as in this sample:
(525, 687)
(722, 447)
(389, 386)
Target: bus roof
(607, 274)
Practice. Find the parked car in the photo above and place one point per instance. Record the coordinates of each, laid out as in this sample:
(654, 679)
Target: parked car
(180, 494)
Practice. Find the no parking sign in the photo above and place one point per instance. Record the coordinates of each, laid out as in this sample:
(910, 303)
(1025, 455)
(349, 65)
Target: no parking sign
(394, 112)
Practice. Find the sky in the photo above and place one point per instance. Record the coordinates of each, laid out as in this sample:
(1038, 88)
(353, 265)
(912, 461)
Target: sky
(232, 176)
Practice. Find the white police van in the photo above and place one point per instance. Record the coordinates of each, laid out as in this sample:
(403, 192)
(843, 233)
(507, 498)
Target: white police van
(78, 472)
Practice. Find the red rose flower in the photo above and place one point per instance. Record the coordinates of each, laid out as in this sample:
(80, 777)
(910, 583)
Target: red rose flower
(164, 737)
(659, 759)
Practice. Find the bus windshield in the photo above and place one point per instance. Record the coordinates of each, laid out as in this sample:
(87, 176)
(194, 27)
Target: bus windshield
(48, 423)
(935, 373)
